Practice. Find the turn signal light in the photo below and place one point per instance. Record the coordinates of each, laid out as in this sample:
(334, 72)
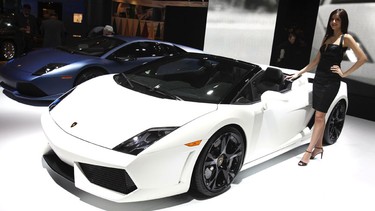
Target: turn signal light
(194, 143)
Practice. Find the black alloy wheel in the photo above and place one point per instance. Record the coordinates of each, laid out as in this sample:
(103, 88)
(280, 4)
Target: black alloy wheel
(87, 75)
(219, 162)
(8, 50)
(335, 123)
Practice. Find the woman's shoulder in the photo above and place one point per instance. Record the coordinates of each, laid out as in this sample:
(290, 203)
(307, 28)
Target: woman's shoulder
(348, 36)
(348, 39)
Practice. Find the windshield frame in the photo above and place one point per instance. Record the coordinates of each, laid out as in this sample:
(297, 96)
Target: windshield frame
(204, 82)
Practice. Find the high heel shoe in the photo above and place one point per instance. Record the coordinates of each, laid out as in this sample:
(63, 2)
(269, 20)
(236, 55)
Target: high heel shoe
(301, 163)
(321, 153)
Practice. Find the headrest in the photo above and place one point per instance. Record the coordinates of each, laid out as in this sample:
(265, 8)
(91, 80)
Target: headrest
(274, 75)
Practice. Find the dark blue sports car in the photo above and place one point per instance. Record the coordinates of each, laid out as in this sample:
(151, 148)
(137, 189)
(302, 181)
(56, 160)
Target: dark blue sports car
(45, 74)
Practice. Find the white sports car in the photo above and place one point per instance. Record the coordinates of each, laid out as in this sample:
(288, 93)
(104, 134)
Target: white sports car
(186, 122)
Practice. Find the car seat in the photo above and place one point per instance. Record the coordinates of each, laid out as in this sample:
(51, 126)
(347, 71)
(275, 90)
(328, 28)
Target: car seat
(272, 79)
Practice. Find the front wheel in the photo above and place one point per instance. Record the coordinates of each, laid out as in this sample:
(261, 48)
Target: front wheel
(335, 123)
(219, 162)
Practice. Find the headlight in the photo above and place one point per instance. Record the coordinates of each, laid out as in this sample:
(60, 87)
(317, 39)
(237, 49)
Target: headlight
(59, 99)
(48, 68)
(140, 142)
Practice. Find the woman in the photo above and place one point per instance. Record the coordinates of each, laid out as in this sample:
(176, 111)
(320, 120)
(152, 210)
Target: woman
(328, 75)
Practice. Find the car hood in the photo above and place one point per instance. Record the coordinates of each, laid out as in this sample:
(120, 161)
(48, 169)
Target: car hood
(41, 57)
(104, 113)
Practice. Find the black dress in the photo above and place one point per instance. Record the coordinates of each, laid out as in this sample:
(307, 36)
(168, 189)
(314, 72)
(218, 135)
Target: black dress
(326, 83)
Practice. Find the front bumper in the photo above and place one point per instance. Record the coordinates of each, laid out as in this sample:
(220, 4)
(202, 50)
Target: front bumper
(30, 93)
(19, 85)
(113, 175)
(113, 179)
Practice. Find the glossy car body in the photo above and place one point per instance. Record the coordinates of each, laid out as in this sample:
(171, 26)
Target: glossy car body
(45, 74)
(187, 122)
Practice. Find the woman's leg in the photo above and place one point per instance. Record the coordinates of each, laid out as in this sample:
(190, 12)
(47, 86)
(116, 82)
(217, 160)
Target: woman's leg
(317, 135)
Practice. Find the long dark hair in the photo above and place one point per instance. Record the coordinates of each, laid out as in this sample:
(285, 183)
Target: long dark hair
(344, 22)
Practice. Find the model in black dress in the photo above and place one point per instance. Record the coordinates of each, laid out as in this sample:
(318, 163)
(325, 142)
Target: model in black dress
(328, 75)
(326, 83)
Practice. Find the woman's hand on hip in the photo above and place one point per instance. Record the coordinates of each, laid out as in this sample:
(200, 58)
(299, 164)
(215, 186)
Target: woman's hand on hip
(336, 69)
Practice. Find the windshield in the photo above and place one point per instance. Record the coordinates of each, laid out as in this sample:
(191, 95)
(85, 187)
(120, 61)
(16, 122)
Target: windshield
(187, 78)
(93, 46)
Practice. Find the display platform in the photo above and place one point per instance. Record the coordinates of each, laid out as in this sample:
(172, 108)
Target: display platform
(343, 179)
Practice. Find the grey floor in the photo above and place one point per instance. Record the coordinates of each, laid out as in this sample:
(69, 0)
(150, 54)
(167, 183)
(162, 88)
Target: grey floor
(343, 179)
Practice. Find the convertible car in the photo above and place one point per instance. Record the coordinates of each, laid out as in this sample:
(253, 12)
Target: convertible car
(45, 74)
(183, 123)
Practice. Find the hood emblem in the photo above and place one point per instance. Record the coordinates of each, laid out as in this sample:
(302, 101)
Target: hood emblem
(73, 124)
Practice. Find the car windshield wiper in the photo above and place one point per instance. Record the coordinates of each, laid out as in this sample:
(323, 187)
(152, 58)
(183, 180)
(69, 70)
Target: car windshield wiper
(155, 89)
(150, 89)
(165, 93)
(127, 80)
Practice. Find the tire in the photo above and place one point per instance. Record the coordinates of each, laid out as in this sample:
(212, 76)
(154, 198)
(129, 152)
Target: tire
(335, 123)
(8, 50)
(218, 164)
(87, 75)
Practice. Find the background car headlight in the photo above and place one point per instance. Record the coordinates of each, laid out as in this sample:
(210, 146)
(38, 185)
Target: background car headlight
(48, 68)
(140, 142)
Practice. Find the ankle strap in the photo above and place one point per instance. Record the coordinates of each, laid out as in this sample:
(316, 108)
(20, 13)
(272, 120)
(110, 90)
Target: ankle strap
(308, 151)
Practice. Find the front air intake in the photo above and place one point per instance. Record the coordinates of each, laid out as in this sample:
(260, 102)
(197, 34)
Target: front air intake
(111, 178)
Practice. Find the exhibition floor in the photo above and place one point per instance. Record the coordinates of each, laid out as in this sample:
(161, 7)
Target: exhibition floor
(343, 179)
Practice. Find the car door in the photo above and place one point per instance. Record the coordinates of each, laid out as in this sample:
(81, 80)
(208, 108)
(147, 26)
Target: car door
(278, 118)
(284, 117)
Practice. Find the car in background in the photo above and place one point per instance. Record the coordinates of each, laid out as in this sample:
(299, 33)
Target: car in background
(188, 122)
(44, 74)
(8, 35)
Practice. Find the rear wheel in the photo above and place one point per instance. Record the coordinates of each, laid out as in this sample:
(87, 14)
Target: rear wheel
(87, 75)
(335, 123)
(8, 50)
(219, 163)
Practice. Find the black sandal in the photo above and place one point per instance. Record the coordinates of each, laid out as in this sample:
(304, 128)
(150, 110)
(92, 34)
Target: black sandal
(301, 163)
(321, 153)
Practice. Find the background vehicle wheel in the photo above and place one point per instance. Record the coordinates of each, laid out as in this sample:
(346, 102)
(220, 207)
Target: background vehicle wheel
(87, 75)
(335, 123)
(219, 162)
(8, 50)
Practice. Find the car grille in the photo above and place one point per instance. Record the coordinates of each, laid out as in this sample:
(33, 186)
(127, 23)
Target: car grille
(30, 90)
(111, 178)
